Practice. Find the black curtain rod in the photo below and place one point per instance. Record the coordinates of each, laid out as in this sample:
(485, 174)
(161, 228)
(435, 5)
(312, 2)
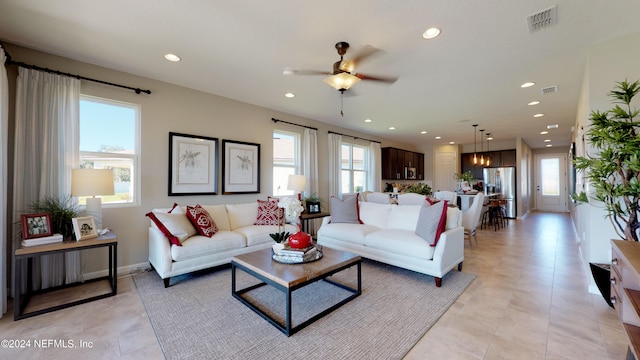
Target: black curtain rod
(355, 137)
(80, 77)
(290, 123)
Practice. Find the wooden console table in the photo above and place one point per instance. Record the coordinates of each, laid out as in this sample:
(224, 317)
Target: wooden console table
(625, 289)
(109, 240)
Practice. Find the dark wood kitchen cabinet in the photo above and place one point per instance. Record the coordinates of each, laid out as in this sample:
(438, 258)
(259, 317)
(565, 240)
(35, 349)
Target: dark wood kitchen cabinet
(395, 164)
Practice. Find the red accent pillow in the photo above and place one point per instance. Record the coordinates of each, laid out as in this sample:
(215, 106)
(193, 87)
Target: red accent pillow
(269, 213)
(173, 240)
(202, 221)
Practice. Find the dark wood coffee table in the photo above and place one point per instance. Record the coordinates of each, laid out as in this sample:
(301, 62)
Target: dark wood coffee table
(290, 277)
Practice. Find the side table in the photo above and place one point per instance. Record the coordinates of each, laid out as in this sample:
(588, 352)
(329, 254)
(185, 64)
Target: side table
(109, 240)
(305, 217)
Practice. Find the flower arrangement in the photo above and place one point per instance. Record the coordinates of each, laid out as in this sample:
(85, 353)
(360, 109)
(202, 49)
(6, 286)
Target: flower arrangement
(291, 208)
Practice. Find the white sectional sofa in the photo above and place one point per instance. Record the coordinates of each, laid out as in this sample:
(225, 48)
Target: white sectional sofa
(388, 235)
(236, 235)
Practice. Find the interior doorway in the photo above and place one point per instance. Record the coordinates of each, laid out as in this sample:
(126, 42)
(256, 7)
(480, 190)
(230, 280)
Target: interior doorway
(551, 182)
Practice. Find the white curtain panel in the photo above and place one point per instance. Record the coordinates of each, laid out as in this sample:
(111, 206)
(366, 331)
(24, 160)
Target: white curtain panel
(335, 167)
(375, 167)
(4, 156)
(46, 138)
(310, 160)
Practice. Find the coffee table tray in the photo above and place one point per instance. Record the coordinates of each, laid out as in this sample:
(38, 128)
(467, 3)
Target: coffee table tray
(289, 259)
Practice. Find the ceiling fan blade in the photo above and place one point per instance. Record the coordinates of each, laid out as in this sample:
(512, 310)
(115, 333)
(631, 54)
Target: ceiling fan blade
(289, 71)
(387, 80)
(363, 54)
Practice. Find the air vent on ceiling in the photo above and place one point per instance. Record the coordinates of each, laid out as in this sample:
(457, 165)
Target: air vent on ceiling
(543, 19)
(549, 89)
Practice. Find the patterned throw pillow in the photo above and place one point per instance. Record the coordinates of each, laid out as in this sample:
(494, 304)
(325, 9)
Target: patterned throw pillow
(345, 211)
(431, 222)
(202, 221)
(268, 212)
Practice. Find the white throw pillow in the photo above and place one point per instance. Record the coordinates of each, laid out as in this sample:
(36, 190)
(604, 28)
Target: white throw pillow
(403, 217)
(241, 215)
(178, 224)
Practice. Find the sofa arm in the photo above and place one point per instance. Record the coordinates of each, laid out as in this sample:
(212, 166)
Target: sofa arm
(159, 252)
(325, 220)
(449, 250)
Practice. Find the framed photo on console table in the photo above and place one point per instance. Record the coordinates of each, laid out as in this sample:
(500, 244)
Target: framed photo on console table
(240, 167)
(84, 228)
(193, 165)
(36, 225)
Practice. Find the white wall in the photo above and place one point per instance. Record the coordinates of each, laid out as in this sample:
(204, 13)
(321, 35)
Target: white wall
(171, 108)
(607, 63)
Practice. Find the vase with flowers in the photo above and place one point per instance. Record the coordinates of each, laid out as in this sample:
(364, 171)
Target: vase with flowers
(291, 209)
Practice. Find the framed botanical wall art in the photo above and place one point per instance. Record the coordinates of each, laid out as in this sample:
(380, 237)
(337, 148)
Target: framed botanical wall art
(193, 165)
(84, 228)
(240, 167)
(36, 225)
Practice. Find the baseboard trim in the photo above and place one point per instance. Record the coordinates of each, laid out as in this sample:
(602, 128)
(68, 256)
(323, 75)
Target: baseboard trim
(122, 271)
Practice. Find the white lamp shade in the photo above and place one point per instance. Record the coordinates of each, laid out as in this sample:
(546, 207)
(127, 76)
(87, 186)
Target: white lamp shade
(297, 183)
(342, 81)
(91, 182)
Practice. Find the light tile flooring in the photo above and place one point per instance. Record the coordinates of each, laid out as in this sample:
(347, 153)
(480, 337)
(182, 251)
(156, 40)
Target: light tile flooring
(529, 301)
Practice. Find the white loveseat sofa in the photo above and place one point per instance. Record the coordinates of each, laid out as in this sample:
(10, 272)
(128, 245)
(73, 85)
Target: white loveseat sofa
(236, 235)
(388, 235)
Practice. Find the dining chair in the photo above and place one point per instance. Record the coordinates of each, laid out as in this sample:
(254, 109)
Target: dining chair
(471, 218)
(450, 196)
(411, 199)
(378, 197)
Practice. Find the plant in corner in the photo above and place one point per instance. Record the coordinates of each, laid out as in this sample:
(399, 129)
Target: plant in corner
(613, 171)
(62, 210)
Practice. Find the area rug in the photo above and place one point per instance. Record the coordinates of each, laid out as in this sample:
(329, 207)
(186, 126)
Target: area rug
(197, 318)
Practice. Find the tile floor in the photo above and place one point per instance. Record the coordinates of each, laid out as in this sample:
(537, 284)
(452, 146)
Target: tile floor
(529, 301)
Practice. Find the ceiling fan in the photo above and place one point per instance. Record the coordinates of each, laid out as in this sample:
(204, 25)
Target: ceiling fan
(343, 78)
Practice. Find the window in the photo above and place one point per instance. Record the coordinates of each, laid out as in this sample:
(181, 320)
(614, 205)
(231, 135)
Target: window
(354, 168)
(286, 160)
(110, 139)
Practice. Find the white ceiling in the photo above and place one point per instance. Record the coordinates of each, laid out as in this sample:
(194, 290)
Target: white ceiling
(238, 49)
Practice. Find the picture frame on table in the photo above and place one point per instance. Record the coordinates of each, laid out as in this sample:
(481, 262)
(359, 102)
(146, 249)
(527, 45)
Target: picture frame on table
(36, 225)
(193, 165)
(84, 228)
(240, 167)
(313, 207)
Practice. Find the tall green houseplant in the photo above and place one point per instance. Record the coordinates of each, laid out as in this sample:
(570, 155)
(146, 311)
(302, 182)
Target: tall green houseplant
(614, 171)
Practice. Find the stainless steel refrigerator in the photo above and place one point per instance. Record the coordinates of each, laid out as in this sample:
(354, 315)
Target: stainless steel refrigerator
(502, 180)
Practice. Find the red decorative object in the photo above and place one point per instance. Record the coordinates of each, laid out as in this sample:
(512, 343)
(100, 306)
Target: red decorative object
(300, 240)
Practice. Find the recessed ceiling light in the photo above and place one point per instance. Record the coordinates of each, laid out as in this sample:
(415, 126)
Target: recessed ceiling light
(290, 95)
(552, 126)
(172, 57)
(544, 132)
(534, 103)
(527, 84)
(392, 128)
(547, 140)
(423, 132)
(489, 138)
(431, 33)
(438, 137)
(451, 142)
(549, 145)
(368, 120)
(538, 115)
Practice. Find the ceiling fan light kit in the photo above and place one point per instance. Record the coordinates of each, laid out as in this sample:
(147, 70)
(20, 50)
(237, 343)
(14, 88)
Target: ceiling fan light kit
(342, 81)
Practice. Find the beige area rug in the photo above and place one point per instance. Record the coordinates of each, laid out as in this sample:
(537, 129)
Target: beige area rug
(197, 318)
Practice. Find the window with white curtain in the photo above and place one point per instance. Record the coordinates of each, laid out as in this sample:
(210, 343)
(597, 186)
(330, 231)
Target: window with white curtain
(355, 167)
(110, 139)
(286, 160)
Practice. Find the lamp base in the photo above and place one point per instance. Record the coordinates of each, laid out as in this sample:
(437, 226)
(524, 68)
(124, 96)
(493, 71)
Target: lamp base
(94, 208)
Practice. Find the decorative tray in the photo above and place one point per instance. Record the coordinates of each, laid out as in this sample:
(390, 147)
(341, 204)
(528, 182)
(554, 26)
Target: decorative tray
(289, 259)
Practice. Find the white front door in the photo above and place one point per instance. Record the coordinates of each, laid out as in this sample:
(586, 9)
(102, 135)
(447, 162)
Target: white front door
(445, 168)
(551, 182)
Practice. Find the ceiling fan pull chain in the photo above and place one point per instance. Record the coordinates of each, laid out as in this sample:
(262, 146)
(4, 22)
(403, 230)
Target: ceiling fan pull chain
(341, 103)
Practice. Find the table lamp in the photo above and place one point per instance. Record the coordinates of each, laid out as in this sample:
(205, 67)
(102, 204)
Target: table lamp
(297, 183)
(92, 182)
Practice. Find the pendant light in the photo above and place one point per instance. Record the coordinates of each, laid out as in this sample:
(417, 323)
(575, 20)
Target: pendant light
(488, 157)
(475, 155)
(481, 147)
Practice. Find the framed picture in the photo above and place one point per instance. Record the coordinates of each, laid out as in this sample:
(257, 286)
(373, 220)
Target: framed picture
(193, 165)
(240, 167)
(84, 228)
(36, 225)
(313, 207)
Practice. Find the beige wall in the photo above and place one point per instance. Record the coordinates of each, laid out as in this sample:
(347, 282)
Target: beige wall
(178, 109)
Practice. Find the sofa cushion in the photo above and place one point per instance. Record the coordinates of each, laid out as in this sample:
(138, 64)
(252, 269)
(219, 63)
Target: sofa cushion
(345, 211)
(431, 222)
(402, 242)
(242, 214)
(202, 221)
(219, 215)
(347, 232)
(198, 246)
(173, 240)
(259, 234)
(372, 213)
(403, 217)
(269, 213)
